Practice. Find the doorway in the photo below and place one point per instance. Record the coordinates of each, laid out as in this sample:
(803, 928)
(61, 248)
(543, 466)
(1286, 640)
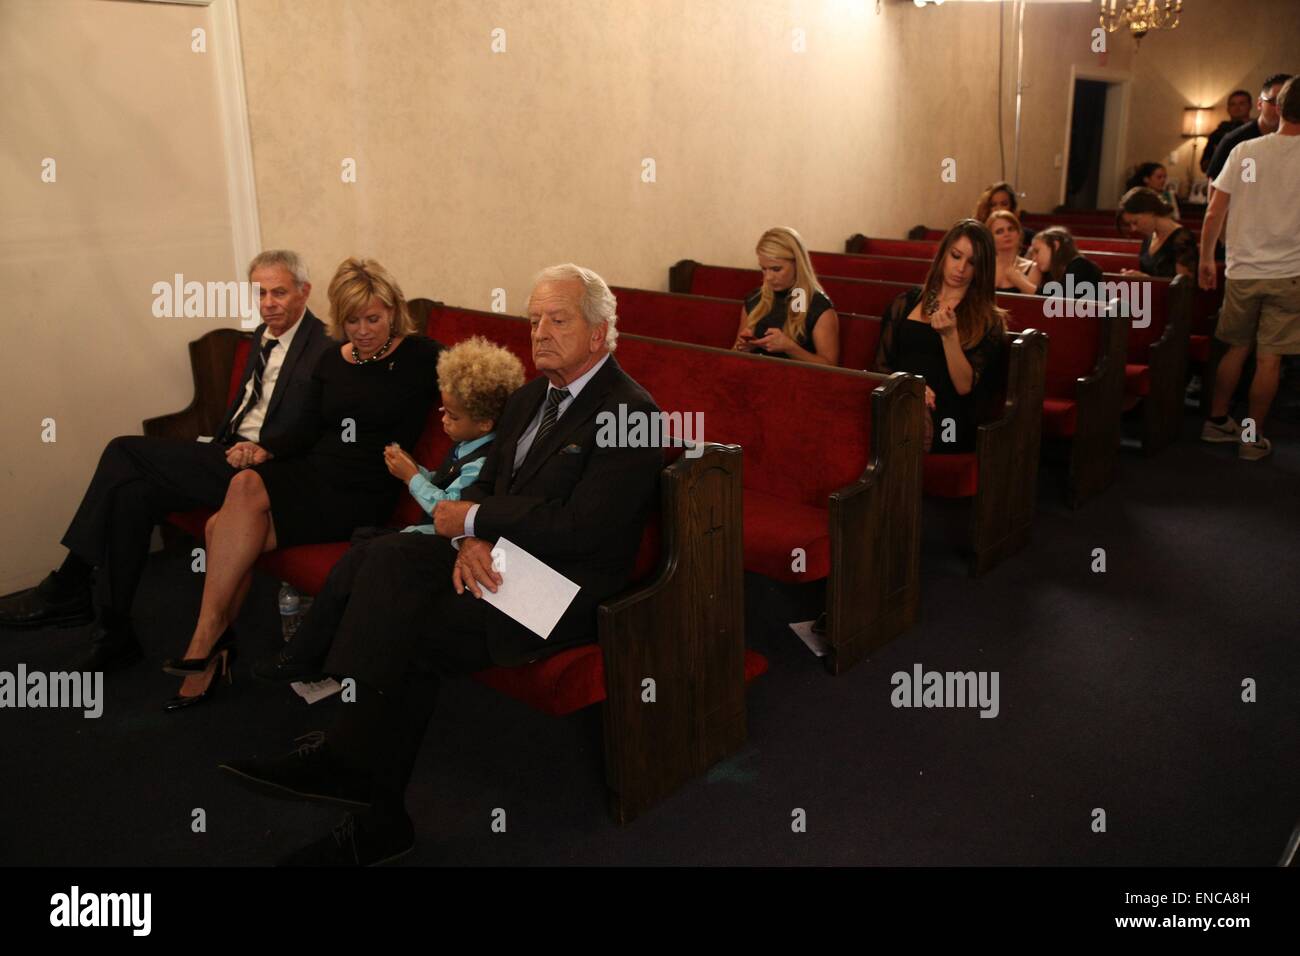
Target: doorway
(1093, 174)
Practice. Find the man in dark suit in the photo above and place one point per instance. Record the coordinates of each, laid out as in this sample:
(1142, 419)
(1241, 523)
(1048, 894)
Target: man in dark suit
(140, 479)
(409, 613)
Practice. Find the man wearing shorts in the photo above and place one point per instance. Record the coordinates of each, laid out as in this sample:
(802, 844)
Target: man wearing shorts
(1256, 193)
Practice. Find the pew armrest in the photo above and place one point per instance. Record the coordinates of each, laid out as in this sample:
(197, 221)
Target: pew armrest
(212, 358)
(1007, 451)
(685, 630)
(874, 589)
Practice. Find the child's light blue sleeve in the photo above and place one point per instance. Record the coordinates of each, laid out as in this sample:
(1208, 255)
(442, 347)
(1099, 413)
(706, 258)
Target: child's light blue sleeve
(427, 494)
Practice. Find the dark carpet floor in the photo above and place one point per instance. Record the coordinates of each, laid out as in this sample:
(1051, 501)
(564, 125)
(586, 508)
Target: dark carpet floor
(1120, 691)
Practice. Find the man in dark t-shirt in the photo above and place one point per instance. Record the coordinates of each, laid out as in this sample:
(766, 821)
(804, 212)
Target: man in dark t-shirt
(1239, 104)
(1267, 122)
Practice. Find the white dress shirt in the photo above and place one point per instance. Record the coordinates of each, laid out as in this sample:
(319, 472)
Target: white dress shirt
(250, 429)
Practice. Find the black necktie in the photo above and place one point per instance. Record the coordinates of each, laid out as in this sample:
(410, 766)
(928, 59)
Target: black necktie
(232, 433)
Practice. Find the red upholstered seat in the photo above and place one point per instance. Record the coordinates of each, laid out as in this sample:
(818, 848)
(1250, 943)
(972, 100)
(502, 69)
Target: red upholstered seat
(570, 680)
(951, 476)
(305, 566)
(1060, 417)
(1137, 379)
(1198, 348)
(774, 527)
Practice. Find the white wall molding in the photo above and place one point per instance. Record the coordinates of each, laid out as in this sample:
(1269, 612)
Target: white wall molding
(236, 134)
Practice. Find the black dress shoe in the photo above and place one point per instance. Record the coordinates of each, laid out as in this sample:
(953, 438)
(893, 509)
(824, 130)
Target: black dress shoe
(360, 840)
(47, 604)
(309, 773)
(285, 668)
(111, 649)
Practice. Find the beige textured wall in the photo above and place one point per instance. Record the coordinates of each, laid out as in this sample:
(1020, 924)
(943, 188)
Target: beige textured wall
(476, 169)
(111, 91)
(1219, 47)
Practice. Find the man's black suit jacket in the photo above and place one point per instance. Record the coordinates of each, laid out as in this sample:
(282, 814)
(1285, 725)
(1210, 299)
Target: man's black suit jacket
(579, 508)
(289, 404)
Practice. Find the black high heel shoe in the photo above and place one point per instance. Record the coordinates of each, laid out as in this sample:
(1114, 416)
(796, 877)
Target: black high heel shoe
(225, 659)
(191, 666)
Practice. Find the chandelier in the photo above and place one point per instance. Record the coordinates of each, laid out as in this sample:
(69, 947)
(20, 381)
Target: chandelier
(1140, 16)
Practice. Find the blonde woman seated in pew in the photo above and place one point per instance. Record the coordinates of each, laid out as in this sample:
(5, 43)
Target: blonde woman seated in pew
(1168, 248)
(323, 481)
(949, 331)
(1015, 273)
(476, 378)
(789, 316)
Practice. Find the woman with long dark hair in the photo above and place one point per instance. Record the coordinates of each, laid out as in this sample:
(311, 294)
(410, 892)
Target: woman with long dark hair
(950, 332)
(1168, 248)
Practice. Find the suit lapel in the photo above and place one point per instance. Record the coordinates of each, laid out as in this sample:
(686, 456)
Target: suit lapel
(508, 441)
(574, 417)
(296, 348)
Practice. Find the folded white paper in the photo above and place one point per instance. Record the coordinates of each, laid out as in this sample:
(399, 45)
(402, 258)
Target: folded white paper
(531, 592)
(316, 690)
(817, 643)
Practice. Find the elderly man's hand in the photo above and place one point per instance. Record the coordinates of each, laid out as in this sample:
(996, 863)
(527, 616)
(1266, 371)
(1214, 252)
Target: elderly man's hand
(474, 568)
(245, 453)
(449, 517)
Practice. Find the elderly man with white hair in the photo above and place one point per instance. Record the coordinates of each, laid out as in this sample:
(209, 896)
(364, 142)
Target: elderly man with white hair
(411, 612)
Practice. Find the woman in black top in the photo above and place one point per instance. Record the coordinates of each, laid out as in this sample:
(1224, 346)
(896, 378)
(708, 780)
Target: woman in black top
(327, 477)
(950, 332)
(1065, 272)
(1168, 248)
(789, 316)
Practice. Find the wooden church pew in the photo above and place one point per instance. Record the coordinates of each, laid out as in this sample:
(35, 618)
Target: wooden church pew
(1000, 476)
(833, 469)
(680, 620)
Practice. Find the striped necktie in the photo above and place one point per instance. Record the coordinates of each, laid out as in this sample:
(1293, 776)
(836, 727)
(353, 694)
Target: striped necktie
(232, 433)
(553, 398)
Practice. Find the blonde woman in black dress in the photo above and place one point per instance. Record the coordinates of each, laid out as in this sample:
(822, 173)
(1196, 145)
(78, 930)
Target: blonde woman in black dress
(329, 476)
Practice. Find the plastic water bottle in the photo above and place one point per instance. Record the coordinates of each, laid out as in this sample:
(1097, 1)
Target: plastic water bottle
(290, 610)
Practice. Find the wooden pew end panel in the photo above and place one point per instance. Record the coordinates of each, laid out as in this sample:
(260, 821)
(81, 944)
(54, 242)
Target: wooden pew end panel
(875, 528)
(212, 360)
(685, 631)
(1007, 450)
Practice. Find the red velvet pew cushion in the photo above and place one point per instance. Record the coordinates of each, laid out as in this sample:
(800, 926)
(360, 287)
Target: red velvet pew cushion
(242, 348)
(1198, 348)
(774, 527)
(1137, 379)
(1060, 417)
(951, 476)
(570, 680)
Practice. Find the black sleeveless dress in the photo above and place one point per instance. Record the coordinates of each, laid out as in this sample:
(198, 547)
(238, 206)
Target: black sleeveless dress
(775, 319)
(914, 347)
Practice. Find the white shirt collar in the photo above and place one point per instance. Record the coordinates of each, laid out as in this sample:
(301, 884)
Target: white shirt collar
(286, 339)
(579, 383)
